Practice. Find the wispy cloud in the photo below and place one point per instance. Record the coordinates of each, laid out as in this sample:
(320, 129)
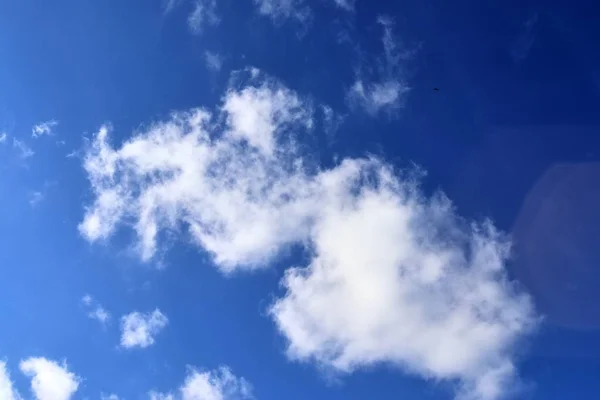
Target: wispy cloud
(24, 151)
(50, 380)
(331, 121)
(522, 45)
(3, 137)
(394, 277)
(95, 310)
(381, 85)
(35, 198)
(43, 128)
(282, 10)
(204, 13)
(347, 5)
(213, 61)
(169, 5)
(139, 329)
(217, 384)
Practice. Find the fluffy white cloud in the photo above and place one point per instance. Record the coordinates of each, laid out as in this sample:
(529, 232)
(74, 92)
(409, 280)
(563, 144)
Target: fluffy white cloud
(394, 277)
(399, 279)
(109, 397)
(7, 391)
(50, 380)
(160, 396)
(219, 384)
(280, 10)
(139, 329)
(382, 86)
(233, 190)
(43, 128)
(95, 310)
(204, 13)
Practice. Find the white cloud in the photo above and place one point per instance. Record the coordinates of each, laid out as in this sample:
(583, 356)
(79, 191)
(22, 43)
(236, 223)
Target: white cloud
(399, 279)
(7, 391)
(522, 45)
(3, 137)
(280, 10)
(331, 121)
(347, 5)
(394, 277)
(100, 314)
(95, 310)
(139, 329)
(169, 5)
(218, 187)
(213, 61)
(109, 397)
(25, 151)
(43, 128)
(50, 380)
(219, 384)
(160, 396)
(383, 87)
(35, 198)
(87, 300)
(204, 13)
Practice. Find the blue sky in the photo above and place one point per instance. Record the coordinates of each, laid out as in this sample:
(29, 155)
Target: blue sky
(233, 199)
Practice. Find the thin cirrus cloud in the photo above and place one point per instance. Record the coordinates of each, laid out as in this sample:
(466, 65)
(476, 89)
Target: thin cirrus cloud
(381, 84)
(49, 379)
(139, 329)
(95, 310)
(347, 5)
(213, 61)
(204, 13)
(219, 384)
(395, 277)
(43, 128)
(281, 10)
(23, 150)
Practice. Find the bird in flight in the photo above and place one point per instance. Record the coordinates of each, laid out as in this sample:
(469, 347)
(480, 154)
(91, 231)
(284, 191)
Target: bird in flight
(436, 89)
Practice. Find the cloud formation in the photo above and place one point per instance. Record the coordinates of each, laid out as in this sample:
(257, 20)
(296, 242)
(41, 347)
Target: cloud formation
(7, 391)
(204, 12)
(95, 310)
(139, 329)
(522, 45)
(281, 10)
(36, 198)
(24, 151)
(234, 191)
(394, 277)
(218, 384)
(43, 128)
(213, 61)
(50, 380)
(381, 85)
(347, 5)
